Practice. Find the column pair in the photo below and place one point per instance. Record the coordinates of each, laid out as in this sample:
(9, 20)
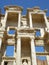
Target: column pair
(33, 54)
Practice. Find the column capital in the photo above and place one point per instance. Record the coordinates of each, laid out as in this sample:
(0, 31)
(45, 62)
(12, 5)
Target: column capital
(18, 37)
(32, 37)
(1, 37)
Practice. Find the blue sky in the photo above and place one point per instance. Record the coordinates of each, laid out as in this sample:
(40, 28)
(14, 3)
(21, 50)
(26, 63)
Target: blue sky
(43, 4)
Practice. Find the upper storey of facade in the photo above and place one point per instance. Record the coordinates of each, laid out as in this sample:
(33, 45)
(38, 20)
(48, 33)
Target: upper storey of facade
(34, 19)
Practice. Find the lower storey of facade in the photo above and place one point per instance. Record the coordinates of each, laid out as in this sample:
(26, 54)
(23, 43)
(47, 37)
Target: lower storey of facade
(25, 53)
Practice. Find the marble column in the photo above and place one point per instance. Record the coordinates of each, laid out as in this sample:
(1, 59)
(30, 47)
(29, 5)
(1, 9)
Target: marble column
(47, 59)
(0, 43)
(18, 57)
(5, 19)
(46, 21)
(33, 54)
(31, 25)
(0, 50)
(42, 32)
(2, 63)
(19, 20)
(14, 63)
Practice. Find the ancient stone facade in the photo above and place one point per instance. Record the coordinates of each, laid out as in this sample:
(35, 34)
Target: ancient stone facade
(23, 34)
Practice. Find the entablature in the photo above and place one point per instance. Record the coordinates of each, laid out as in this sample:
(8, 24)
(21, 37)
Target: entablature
(13, 8)
(8, 58)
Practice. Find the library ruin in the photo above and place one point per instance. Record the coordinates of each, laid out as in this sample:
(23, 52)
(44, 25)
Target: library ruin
(24, 39)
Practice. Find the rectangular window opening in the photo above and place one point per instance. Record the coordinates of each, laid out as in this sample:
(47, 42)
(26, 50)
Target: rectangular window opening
(38, 33)
(11, 31)
(39, 48)
(10, 51)
(41, 58)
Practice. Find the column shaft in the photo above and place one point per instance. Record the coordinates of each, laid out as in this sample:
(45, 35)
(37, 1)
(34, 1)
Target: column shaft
(42, 32)
(19, 20)
(48, 59)
(5, 19)
(33, 54)
(2, 63)
(31, 25)
(18, 52)
(0, 43)
(46, 21)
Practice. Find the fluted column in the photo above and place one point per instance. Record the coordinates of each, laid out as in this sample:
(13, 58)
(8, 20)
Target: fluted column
(18, 61)
(33, 54)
